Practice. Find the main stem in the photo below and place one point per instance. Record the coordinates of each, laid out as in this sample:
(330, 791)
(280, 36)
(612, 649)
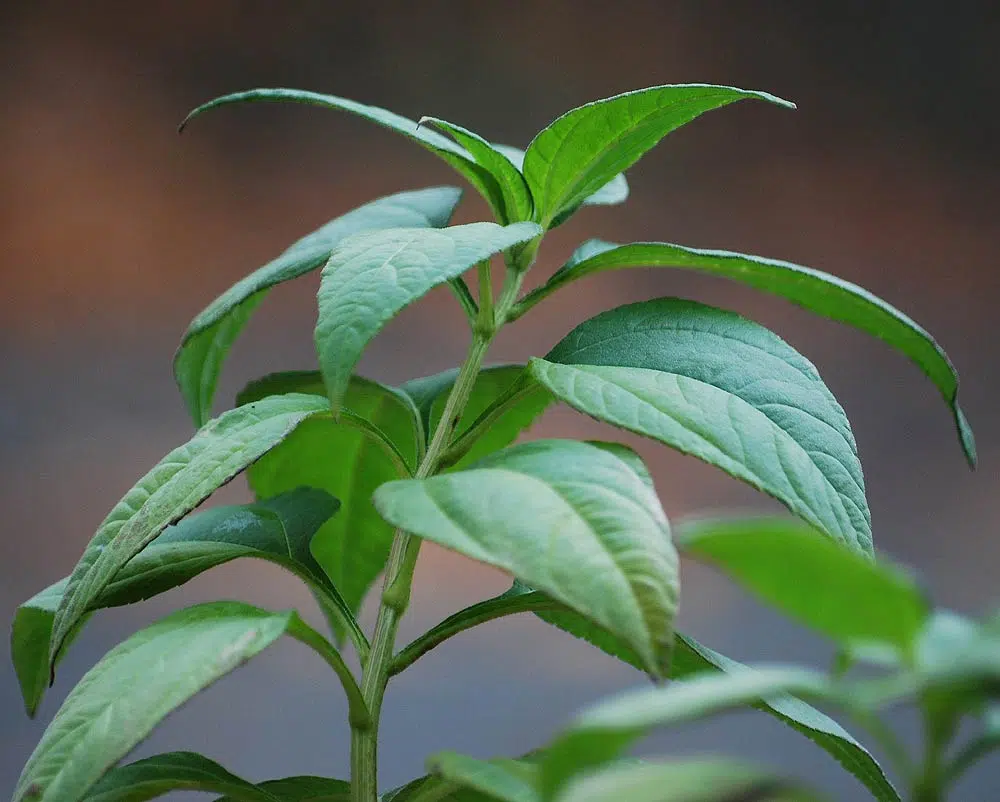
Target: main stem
(405, 547)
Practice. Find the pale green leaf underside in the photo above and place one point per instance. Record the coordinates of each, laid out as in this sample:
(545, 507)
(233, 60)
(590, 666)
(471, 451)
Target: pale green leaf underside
(504, 780)
(175, 486)
(206, 343)
(841, 594)
(278, 530)
(371, 277)
(585, 148)
(814, 290)
(121, 699)
(351, 547)
(719, 387)
(566, 517)
(173, 771)
(694, 780)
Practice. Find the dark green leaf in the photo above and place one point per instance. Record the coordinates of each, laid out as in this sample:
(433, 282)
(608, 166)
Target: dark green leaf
(840, 593)
(179, 483)
(351, 547)
(566, 517)
(370, 277)
(121, 699)
(814, 290)
(206, 343)
(278, 530)
(726, 390)
(303, 788)
(587, 147)
(511, 200)
(174, 771)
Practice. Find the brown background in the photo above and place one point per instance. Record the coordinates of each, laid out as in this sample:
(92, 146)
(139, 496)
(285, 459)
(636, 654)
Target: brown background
(116, 232)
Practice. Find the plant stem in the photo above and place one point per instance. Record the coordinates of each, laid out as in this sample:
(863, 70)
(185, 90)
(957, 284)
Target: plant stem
(398, 577)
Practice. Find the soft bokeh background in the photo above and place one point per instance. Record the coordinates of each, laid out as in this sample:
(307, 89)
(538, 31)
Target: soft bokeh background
(116, 232)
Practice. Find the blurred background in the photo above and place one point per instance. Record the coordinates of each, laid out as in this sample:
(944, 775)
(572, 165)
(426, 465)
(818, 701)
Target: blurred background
(116, 232)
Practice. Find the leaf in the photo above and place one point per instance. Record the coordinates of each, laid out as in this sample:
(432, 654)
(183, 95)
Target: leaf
(121, 699)
(839, 593)
(351, 547)
(565, 517)
(173, 771)
(500, 407)
(506, 780)
(454, 155)
(175, 486)
(585, 148)
(304, 788)
(693, 780)
(370, 277)
(512, 202)
(814, 290)
(206, 343)
(714, 385)
(278, 530)
(601, 733)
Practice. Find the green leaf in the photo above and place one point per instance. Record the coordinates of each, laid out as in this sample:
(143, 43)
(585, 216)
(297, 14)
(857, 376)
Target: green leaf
(587, 147)
(454, 155)
(814, 290)
(370, 277)
(278, 530)
(351, 547)
(567, 518)
(303, 788)
(206, 343)
(697, 780)
(505, 780)
(179, 483)
(173, 771)
(601, 733)
(719, 387)
(501, 406)
(511, 200)
(840, 593)
(121, 699)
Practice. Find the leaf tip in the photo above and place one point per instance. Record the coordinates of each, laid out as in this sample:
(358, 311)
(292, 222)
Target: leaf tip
(966, 437)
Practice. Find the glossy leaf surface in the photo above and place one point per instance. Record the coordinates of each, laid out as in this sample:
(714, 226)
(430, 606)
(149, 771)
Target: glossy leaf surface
(719, 387)
(179, 483)
(210, 335)
(370, 277)
(814, 290)
(585, 148)
(278, 530)
(566, 517)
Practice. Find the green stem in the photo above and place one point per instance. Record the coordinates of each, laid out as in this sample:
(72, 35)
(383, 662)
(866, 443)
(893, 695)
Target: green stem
(398, 577)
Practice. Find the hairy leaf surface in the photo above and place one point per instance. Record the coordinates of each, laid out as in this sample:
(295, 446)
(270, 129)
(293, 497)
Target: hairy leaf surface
(370, 277)
(814, 290)
(726, 390)
(179, 483)
(210, 335)
(585, 148)
(566, 517)
(278, 530)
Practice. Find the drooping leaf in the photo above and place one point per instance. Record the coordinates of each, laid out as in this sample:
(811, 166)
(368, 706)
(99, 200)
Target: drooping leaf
(278, 530)
(351, 547)
(504, 780)
(814, 290)
(840, 593)
(180, 482)
(303, 788)
(566, 517)
(370, 277)
(206, 343)
(587, 147)
(173, 771)
(719, 387)
(500, 407)
(121, 699)
(454, 155)
(512, 203)
(693, 780)
(601, 733)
